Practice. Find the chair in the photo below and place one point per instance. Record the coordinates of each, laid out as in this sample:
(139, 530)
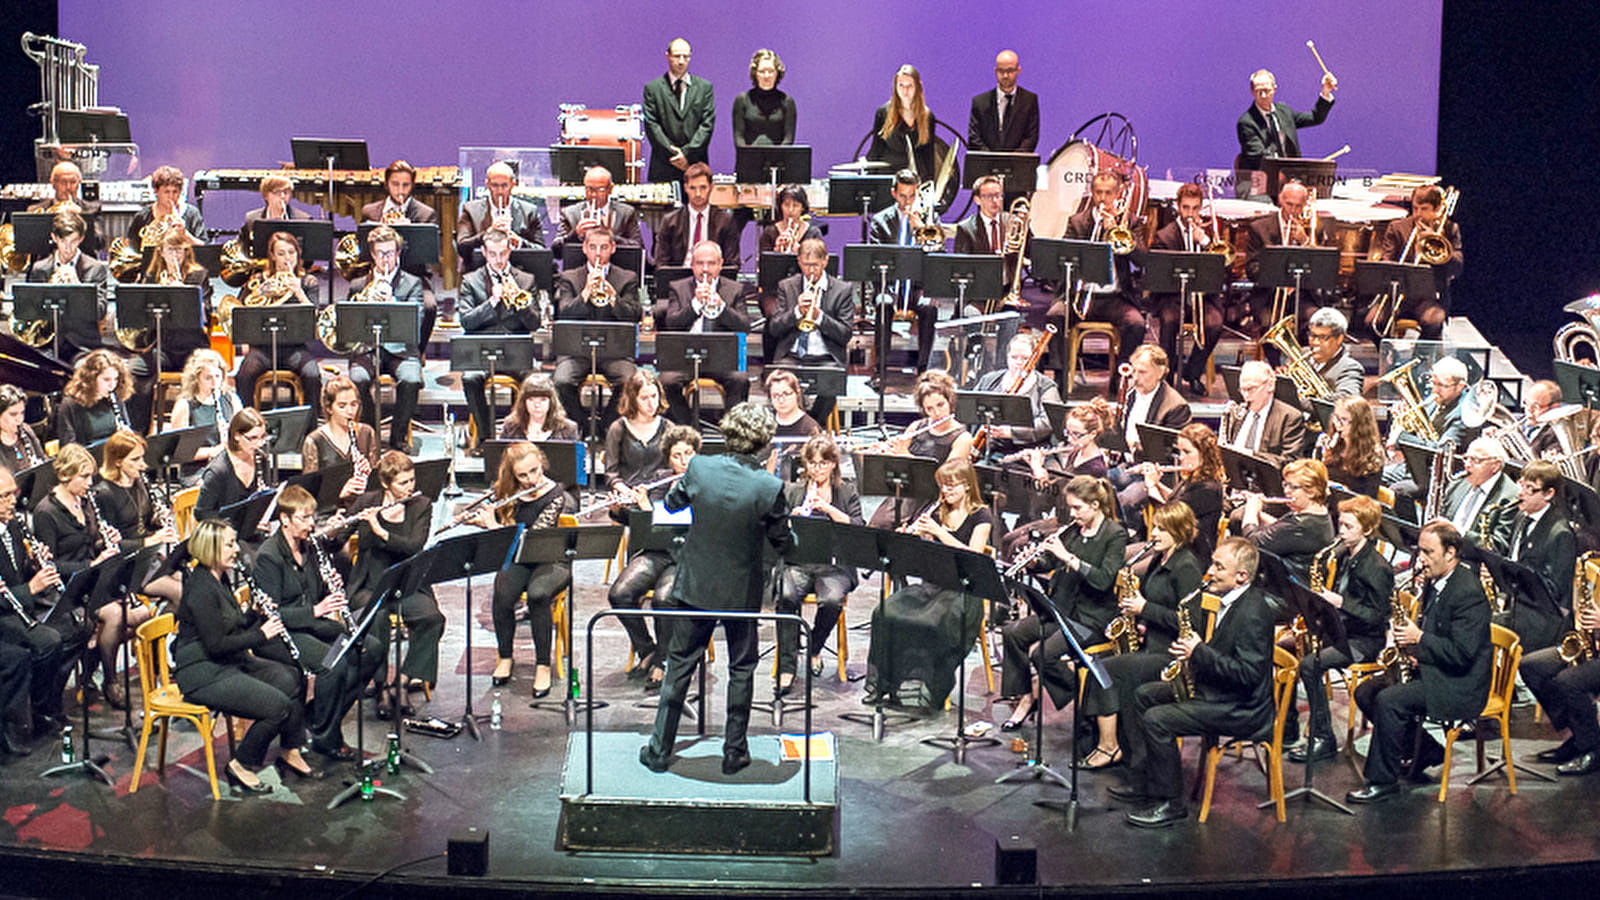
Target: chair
(1502, 680)
(164, 702)
(499, 382)
(1193, 330)
(1401, 326)
(842, 645)
(267, 387)
(171, 384)
(1075, 339)
(183, 510)
(1286, 671)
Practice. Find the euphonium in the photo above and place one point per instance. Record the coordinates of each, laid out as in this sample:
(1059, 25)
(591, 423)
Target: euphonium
(1297, 361)
(789, 237)
(599, 290)
(238, 263)
(1433, 247)
(124, 260)
(1016, 242)
(1178, 673)
(347, 258)
(1578, 645)
(1410, 416)
(1124, 629)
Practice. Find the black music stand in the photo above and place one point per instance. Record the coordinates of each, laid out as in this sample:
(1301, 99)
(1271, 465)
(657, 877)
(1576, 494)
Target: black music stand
(315, 237)
(600, 341)
(814, 379)
(1071, 263)
(1175, 272)
(465, 556)
(360, 321)
(1319, 174)
(899, 477)
(873, 549)
(175, 306)
(286, 432)
(73, 595)
(1249, 472)
(1396, 279)
(1009, 488)
(1324, 628)
(569, 544)
(1579, 383)
(994, 408)
(295, 323)
(389, 585)
(419, 243)
(979, 276)
(719, 352)
(174, 447)
(73, 304)
(570, 161)
(645, 532)
(344, 154)
(977, 578)
(1300, 268)
(882, 263)
(121, 587)
(772, 268)
(1417, 456)
(774, 164)
(31, 232)
(859, 195)
(493, 353)
(1160, 443)
(812, 545)
(1018, 172)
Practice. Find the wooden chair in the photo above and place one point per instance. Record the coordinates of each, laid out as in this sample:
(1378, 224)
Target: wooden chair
(1497, 708)
(171, 386)
(841, 650)
(1075, 339)
(1286, 672)
(269, 382)
(500, 382)
(163, 702)
(183, 510)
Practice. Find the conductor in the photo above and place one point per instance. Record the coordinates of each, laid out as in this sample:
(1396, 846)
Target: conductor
(738, 509)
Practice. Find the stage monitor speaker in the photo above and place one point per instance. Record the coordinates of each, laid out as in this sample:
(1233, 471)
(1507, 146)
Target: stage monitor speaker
(468, 852)
(1016, 861)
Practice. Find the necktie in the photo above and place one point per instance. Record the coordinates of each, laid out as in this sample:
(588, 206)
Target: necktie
(697, 230)
(994, 235)
(677, 92)
(1272, 130)
(1516, 538)
(1254, 433)
(1463, 519)
(1005, 107)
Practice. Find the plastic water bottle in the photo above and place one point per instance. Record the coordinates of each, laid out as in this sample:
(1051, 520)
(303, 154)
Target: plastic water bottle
(391, 763)
(69, 753)
(496, 713)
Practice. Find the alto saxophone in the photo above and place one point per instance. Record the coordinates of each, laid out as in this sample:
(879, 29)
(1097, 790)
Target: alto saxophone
(1399, 667)
(1178, 673)
(1124, 629)
(1578, 645)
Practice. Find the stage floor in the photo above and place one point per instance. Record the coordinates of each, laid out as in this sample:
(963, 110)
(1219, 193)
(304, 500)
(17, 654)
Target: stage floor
(910, 818)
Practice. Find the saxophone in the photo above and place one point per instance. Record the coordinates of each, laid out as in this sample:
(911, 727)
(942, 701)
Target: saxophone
(1398, 667)
(1321, 578)
(1177, 673)
(1578, 645)
(1124, 629)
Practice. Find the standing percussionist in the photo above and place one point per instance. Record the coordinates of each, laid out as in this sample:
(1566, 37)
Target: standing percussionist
(1005, 119)
(739, 510)
(813, 319)
(1422, 237)
(597, 292)
(497, 298)
(1106, 214)
(1271, 130)
(1449, 643)
(704, 302)
(398, 207)
(598, 208)
(517, 216)
(680, 111)
(166, 213)
(697, 220)
(388, 283)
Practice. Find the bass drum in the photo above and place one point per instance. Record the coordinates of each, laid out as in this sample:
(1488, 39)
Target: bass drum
(1069, 178)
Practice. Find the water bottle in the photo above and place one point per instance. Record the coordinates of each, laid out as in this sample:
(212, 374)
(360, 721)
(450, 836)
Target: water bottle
(391, 763)
(366, 781)
(69, 754)
(496, 713)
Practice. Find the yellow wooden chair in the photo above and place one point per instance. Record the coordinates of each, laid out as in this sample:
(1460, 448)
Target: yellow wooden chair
(183, 510)
(163, 701)
(1497, 708)
(1286, 672)
(1075, 339)
(268, 384)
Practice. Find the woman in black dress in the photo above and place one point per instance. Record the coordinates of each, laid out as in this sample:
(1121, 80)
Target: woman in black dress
(234, 475)
(544, 500)
(920, 633)
(95, 399)
(778, 237)
(65, 522)
(234, 660)
(393, 524)
(818, 492)
(938, 436)
(340, 438)
(763, 114)
(128, 502)
(1079, 454)
(633, 442)
(1174, 573)
(538, 415)
(902, 129)
(204, 399)
(19, 446)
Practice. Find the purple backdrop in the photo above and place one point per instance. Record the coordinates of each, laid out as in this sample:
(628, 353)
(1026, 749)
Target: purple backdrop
(226, 85)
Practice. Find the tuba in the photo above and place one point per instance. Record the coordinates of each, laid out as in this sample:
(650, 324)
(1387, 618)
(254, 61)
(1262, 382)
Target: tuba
(1297, 361)
(1016, 243)
(1572, 335)
(1409, 416)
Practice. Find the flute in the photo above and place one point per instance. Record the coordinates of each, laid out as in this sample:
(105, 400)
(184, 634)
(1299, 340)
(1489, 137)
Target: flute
(888, 443)
(483, 504)
(618, 498)
(333, 526)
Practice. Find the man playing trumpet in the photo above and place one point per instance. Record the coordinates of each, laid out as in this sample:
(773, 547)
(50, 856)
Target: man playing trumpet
(388, 283)
(598, 208)
(495, 299)
(598, 292)
(517, 216)
(703, 302)
(811, 323)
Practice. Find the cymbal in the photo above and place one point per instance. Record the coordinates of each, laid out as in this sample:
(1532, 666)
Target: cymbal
(1583, 304)
(1557, 413)
(858, 165)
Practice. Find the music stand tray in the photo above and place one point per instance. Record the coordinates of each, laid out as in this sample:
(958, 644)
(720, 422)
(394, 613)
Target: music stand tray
(712, 351)
(1383, 277)
(490, 353)
(1171, 271)
(826, 380)
(882, 263)
(1252, 473)
(901, 477)
(177, 304)
(1087, 261)
(859, 195)
(772, 268)
(1159, 442)
(1579, 383)
(175, 447)
(773, 163)
(419, 242)
(564, 460)
(1306, 268)
(644, 533)
(967, 276)
(570, 161)
(994, 408)
(1321, 174)
(538, 262)
(31, 232)
(75, 303)
(608, 340)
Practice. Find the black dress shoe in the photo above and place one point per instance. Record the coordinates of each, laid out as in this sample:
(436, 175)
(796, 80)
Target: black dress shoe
(782, 689)
(1563, 752)
(733, 762)
(816, 669)
(1582, 764)
(1195, 386)
(1159, 816)
(1128, 793)
(651, 761)
(1374, 793)
(237, 782)
(1314, 750)
(500, 680)
(46, 724)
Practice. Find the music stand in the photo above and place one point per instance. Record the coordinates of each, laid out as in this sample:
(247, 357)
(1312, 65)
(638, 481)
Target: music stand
(389, 584)
(286, 430)
(1283, 389)
(359, 321)
(72, 304)
(994, 408)
(772, 268)
(1324, 628)
(569, 544)
(1321, 174)
(174, 447)
(1018, 172)
(73, 596)
(1071, 263)
(31, 233)
(773, 164)
(570, 161)
(1397, 280)
(176, 306)
(1175, 272)
(1300, 268)
(419, 243)
(981, 276)
(315, 237)
(900, 477)
(492, 353)
(718, 352)
(1579, 383)
(873, 549)
(1417, 456)
(295, 323)
(859, 195)
(883, 263)
(814, 379)
(464, 556)
(977, 578)
(344, 154)
(325, 484)
(1248, 472)
(1159, 442)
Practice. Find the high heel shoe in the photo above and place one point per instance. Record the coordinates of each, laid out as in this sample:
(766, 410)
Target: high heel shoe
(1016, 720)
(541, 682)
(500, 679)
(238, 782)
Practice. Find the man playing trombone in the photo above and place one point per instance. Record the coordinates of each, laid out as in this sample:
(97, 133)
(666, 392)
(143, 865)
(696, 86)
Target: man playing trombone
(1425, 236)
(1188, 233)
(1107, 219)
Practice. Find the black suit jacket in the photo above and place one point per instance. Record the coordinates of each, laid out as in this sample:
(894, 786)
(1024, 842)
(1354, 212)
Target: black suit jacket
(1089, 595)
(480, 315)
(1455, 653)
(1296, 537)
(687, 127)
(1234, 667)
(739, 510)
(1021, 134)
(972, 237)
(837, 308)
(677, 313)
(570, 303)
(417, 213)
(1266, 231)
(1166, 583)
(90, 210)
(1502, 496)
(406, 539)
(1344, 374)
(1551, 550)
(623, 219)
(1168, 409)
(212, 627)
(1255, 138)
(1283, 434)
(1366, 581)
(260, 214)
(895, 152)
(527, 222)
(673, 237)
(885, 226)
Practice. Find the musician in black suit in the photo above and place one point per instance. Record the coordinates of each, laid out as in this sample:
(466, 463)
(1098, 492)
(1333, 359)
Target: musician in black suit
(703, 302)
(597, 292)
(1542, 540)
(1272, 129)
(1150, 399)
(1231, 679)
(399, 207)
(55, 643)
(1017, 378)
(1112, 303)
(1360, 590)
(1288, 227)
(389, 283)
(597, 208)
(1263, 425)
(519, 216)
(985, 230)
(1566, 691)
(1326, 336)
(739, 510)
(830, 307)
(680, 111)
(76, 266)
(1005, 119)
(485, 306)
(1400, 243)
(66, 180)
(1189, 232)
(697, 220)
(1482, 501)
(275, 193)
(167, 182)
(1453, 654)
(898, 224)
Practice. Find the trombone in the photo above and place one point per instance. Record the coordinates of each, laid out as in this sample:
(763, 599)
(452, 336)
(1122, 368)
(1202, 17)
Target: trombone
(1016, 242)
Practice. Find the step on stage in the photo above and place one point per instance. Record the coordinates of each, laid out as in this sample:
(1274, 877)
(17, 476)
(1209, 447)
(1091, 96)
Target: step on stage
(762, 810)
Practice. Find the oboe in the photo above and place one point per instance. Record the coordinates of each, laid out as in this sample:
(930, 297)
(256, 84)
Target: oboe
(269, 607)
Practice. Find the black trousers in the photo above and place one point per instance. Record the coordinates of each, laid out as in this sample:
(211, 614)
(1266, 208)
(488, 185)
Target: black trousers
(264, 690)
(685, 650)
(476, 386)
(830, 584)
(926, 313)
(420, 613)
(1165, 308)
(16, 677)
(336, 691)
(1311, 679)
(294, 357)
(735, 387)
(569, 375)
(1033, 644)
(1566, 693)
(406, 370)
(53, 651)
(541, 583)
(650, 570)
(1162, 720)
(1395, 713)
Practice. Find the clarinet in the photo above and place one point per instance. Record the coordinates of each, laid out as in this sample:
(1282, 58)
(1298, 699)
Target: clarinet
(120, 412)
(164, 514)
(16, 604)
(334, 582)
(269, 607)
(36, 548)
(107, 533)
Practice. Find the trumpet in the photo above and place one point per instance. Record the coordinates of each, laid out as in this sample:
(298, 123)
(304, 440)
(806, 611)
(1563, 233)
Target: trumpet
(511, 293)
(806, 306)
(790, 236)
(598, 291)
(708, 304)
(591, 218)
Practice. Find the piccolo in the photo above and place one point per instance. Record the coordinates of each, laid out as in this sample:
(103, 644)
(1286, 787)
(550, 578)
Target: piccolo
(618, 498)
